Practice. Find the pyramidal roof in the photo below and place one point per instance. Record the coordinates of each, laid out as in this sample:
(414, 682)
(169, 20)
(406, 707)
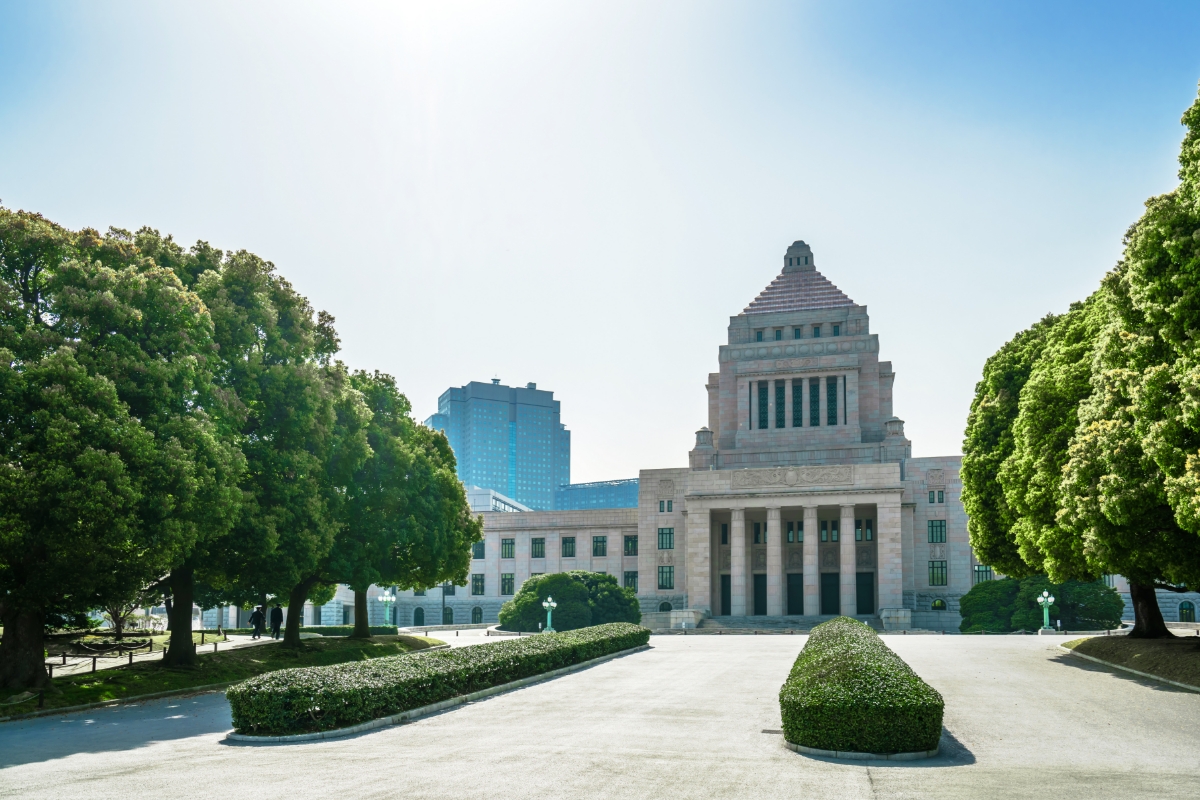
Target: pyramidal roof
(799, 287)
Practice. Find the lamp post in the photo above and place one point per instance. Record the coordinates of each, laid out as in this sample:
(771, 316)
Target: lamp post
(1045, 601)
(549, 605)
(387, 598)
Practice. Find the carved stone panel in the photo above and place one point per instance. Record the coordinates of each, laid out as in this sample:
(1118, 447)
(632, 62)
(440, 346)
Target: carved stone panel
(866, 557)
(792, 476)
(666, 557)
(666, 488)
(759, 560)
(937, 552)
(725, 558)
(829, 559)
(795, 559)
(935, 477)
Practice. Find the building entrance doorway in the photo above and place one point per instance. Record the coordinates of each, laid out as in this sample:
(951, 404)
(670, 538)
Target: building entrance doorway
(418, 616)
(831, 600)
(866, 593)
(795, 594)
(726, 595)
(760, 595)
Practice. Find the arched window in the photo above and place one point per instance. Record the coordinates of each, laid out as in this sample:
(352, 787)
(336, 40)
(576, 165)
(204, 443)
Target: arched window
(447, 616)
(939, 605)
(664, 606)
(418, 617)
(1187, 611)
(476, 615)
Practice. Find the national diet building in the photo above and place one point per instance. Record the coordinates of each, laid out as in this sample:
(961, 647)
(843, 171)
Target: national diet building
(800, 500)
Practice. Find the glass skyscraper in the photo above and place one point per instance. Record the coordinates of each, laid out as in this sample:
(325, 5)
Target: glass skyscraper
(507, 439)
(601, 494)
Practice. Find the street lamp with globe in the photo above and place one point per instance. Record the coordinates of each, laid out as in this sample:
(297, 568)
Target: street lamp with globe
(387, 598)
(1045, 601)
(549, 605)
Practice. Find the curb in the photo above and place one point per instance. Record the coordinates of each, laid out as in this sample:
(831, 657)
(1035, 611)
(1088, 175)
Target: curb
(849, 755)
(433, 708)
(137, 698)
(1137, 672)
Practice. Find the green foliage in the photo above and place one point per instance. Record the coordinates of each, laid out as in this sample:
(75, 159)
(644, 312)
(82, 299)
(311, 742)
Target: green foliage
(524, 611)
(1007, 605)
(584, 598)
(989, 606)
(848, 691)
(324, 698)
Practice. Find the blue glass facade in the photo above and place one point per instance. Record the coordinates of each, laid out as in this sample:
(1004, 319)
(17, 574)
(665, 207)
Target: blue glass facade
(507, 439)
(601, 494)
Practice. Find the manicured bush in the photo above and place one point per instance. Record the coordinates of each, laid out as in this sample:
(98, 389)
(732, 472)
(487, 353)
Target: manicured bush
(584, 598)
(848, 691)
(323, 698)
(324, 630)
(1007, 605)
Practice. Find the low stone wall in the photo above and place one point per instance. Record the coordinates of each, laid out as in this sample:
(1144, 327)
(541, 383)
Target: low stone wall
(666, 620)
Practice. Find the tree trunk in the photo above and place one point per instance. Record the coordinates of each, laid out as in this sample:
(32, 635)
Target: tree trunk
(22, 648)
(295, 613)
(182, 650)
(1147, 617)
(167, 603)
(362, 622)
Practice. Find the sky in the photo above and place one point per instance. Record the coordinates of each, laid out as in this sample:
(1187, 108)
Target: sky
(581, 194)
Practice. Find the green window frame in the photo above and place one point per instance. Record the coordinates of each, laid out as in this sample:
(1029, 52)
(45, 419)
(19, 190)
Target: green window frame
(937, 573)
(418, 592)
(833, 530)
(666, 577)
(666, 538)
(476, 615)
(837, 330)
(796, 333)
(537, 548)
(508, 548)
(824, 530)
(814, 402)
(931, 496)
(763, 397)
(724, 533)
(758, 336)
(478, 582)
(941, 496)
(662, 506)
(982, 573)
(758, 533)
(831, 401)
(631, 545)
(937, 531)
(507, 583)
(478, 550)
(568, 547)
(631, 580)
(870, 529)
(448, 589)
(795, 531)
(798, 403)
(778, 334)
(780, 404)
(816, 331)
(670, 506)
(599, 546)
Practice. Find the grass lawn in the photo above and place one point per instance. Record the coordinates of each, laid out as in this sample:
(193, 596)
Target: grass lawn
(1176, 659)
(149, 677)
(103, 640)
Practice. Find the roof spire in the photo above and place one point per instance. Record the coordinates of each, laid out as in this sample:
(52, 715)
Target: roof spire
(799, 258)
(799, 287)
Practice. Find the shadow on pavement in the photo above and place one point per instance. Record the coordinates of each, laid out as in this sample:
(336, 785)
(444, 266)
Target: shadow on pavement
(1092, 666)
(116, 728)
(951, 753)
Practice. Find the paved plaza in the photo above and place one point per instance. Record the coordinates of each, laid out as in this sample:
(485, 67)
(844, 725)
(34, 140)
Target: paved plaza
(684, 719)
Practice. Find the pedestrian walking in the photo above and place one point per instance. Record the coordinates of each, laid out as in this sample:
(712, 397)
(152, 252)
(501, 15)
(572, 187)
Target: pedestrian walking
(256, 621)
(276, 620)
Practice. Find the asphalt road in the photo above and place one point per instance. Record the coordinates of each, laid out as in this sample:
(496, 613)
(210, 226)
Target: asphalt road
(684, 719)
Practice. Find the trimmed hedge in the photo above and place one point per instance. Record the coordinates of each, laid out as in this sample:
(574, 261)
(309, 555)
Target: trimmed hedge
(324, 698)
(323, 630)
(848, 691)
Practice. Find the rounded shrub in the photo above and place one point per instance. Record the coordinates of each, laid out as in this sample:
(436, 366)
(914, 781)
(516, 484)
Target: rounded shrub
(524, 611)
(848, 691)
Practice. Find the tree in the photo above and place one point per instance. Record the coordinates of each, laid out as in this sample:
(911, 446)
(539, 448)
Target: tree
(71, 486)
(989, 442)
(524, 612)
(1008, 604)
(609, 601)
(989, 606)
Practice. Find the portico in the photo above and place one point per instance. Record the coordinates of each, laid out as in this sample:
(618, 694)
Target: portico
(793, 542)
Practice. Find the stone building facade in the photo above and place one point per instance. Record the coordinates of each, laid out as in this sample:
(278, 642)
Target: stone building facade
(800, 498)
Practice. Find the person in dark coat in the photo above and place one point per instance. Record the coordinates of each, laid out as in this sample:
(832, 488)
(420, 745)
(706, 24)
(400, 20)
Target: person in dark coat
(276, 620)
(256, 621)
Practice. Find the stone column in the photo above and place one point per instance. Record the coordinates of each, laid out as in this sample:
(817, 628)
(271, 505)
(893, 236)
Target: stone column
(774, 563)
(737, 563)
(788, 401)
(889, 549)
(812, 572)
(699, 558)
(849, 569)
